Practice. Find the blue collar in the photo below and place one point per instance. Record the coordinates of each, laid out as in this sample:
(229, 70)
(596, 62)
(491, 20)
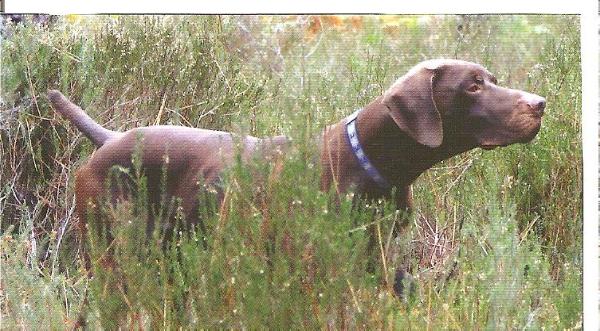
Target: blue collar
(361, 157)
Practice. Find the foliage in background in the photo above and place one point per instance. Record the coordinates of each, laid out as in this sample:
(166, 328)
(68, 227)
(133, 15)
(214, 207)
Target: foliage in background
(496, 239)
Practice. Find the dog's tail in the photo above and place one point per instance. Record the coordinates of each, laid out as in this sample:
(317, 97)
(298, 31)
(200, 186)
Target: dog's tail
(90, 128)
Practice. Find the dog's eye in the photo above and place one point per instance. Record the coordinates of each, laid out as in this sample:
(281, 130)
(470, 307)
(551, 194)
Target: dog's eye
(474, 88)
(478, 79)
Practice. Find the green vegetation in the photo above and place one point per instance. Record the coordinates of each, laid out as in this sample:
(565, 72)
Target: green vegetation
(496, 237)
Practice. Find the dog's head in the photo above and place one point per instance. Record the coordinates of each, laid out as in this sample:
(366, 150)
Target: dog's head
(438, 98)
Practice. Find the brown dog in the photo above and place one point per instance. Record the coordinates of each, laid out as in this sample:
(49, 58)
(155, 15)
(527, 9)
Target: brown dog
(440, 108)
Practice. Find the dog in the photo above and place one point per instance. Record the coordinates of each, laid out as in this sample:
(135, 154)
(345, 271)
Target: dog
(439, 109)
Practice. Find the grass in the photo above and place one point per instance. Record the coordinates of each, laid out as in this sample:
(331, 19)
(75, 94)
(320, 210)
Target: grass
(496, 237)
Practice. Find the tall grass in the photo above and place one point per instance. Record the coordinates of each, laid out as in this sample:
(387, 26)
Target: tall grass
(495, 240)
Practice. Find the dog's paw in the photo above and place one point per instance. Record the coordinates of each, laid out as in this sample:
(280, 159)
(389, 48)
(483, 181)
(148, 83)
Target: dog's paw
(405, 286)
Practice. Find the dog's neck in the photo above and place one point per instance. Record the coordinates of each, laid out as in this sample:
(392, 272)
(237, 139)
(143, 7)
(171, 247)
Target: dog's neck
(398, 157)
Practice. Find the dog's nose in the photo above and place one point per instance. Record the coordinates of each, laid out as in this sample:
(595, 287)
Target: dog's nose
(535, 103)
(538, 106)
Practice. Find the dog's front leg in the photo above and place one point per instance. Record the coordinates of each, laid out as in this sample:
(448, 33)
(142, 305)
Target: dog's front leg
(403, 199)
(404, 284)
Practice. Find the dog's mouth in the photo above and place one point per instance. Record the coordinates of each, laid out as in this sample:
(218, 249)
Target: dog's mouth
(524, 134)
(489, 147)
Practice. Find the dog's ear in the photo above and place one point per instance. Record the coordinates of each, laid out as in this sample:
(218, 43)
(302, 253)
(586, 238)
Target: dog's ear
(412, 106)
